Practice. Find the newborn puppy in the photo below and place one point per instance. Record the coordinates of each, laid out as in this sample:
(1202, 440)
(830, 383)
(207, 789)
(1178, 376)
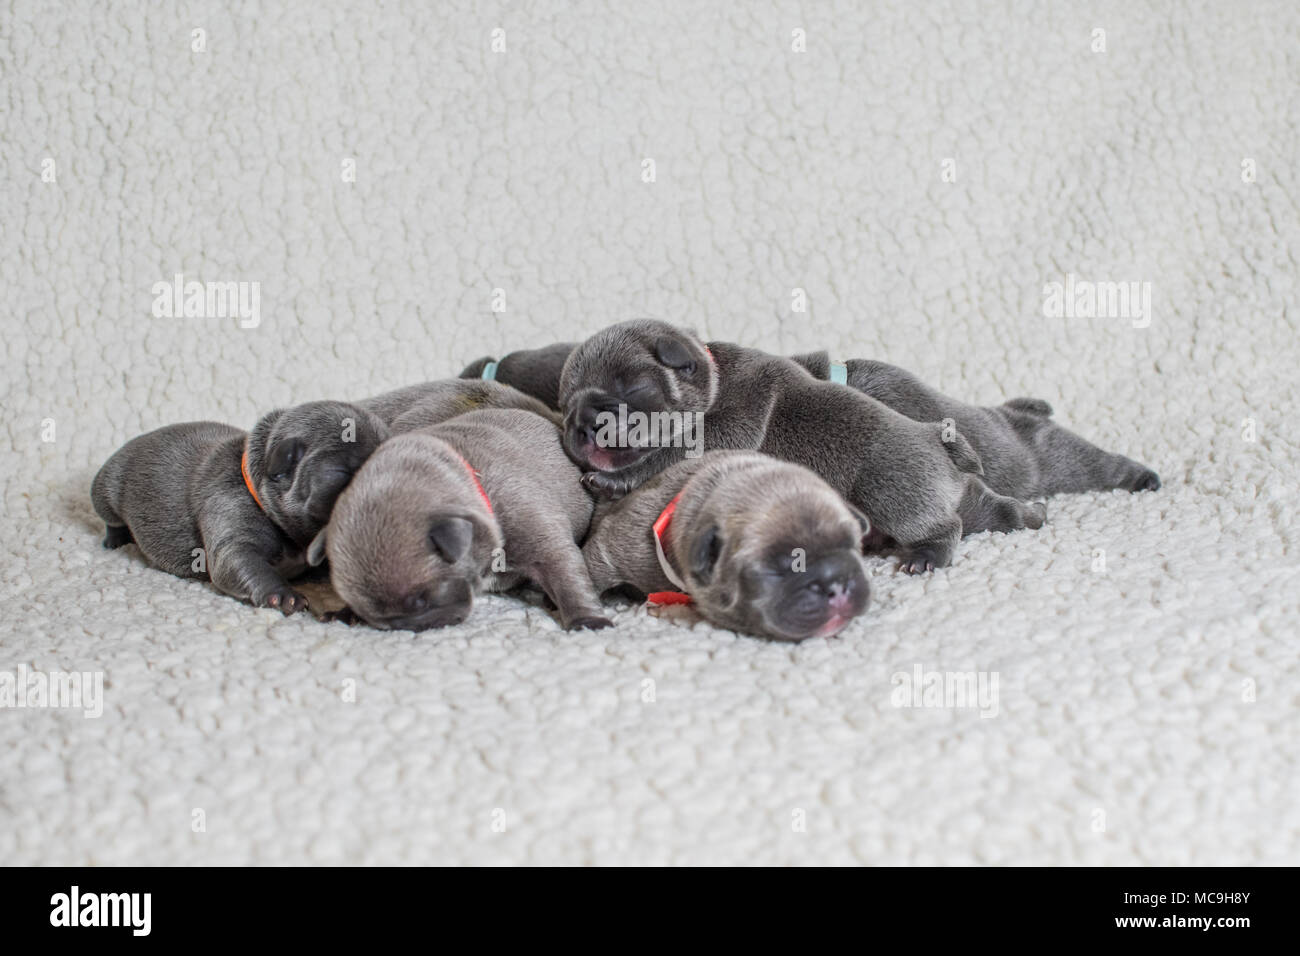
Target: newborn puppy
(483, 501)
(179, 495)
(1024, 453)
(916, 488)
(535, 372)
(761, 546)
(299, 459)
(419, 406)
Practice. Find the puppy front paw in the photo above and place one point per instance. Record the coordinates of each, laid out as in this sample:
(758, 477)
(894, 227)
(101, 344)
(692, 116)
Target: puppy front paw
(605, 485)
(284, 599)
(919, 561)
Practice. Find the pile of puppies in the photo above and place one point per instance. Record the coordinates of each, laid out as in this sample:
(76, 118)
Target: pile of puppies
(507, 476)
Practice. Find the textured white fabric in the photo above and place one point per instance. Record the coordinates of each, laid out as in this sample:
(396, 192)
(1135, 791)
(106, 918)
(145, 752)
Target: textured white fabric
(1125, 731)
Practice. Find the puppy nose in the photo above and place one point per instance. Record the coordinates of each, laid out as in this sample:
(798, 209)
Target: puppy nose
(835, 577)
(415, 603)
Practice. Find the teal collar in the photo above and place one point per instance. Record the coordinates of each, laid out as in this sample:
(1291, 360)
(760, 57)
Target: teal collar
(839, 373)
(489, 371)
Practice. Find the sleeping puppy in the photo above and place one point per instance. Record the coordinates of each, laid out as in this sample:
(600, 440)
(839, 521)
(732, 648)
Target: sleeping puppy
(918, 489)
(179, 494)
(761, 546)
(534, 372)
(1024, 453)
(419, 406)
(484, 501)
(299, 459)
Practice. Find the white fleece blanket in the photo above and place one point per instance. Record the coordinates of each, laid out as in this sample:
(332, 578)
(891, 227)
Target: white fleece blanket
(412, 190)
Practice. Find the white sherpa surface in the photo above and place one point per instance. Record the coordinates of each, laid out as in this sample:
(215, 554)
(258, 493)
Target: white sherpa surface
(1125, 731)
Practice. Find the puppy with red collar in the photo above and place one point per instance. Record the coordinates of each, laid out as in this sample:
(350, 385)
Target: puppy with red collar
(761, 546)
(483, 502)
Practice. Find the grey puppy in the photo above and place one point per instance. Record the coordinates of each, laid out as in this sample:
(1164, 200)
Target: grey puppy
(484, 501)
(419, 406)
(535, 372)
(761, 546)
(918, 490)
(301, 458)
(1025, 454)
(177, 492)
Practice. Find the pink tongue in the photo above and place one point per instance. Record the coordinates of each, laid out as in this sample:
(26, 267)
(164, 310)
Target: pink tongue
(601, 459)
(832, 626)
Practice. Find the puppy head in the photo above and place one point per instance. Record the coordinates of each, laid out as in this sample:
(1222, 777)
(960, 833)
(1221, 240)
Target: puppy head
(411, 539)
(300, 458)
(774, 552)
(644, 366)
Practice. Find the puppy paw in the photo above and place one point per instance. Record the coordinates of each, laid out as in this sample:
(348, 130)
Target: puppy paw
(344, 615)
(285, 600)
(1144, 480)
(917, 562)
(590, 622)
(115, 536)
(1035, 515)
(604, 485)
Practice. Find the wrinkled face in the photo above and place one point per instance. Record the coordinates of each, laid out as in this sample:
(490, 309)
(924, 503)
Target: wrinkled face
(300, 460)
(407, 551)
(787, 573)
(634, 368)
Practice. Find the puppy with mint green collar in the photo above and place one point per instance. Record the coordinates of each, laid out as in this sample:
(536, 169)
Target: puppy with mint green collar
(1024, 453)
(534, 372)
(761, 546)
(918, 485)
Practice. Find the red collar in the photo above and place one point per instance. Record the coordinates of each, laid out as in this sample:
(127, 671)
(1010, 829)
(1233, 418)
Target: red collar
(660, 526)
(248, 480)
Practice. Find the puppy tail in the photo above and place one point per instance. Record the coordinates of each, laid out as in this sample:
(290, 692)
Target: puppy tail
(961, 451)
(475, 369)
(1030, 406)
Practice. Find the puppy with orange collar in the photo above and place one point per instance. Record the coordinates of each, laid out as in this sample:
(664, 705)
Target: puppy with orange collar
(758, 545)
(182, 495)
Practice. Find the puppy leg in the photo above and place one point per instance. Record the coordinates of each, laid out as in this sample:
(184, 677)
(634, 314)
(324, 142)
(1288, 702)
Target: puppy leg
(1068, 463)
(936, 551)
(983, 509)
(245, 574)
(563, 576)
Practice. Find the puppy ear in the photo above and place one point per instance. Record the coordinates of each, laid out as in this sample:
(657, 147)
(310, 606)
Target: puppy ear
(316, 550)
(451, 537)
(675, 354)
(283, 457)
(704, 554)
(863, 522)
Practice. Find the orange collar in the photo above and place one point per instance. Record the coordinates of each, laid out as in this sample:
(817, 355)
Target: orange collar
(248, 481)
(478, 485)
